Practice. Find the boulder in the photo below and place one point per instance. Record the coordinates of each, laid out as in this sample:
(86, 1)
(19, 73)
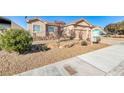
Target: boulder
(68, 45)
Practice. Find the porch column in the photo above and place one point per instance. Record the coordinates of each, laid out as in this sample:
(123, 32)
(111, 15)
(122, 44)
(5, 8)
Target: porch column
(77, 35)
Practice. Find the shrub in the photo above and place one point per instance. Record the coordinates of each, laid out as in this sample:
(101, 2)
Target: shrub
(0, 48)
(71, 37)
(39, 47)
(44, 47)
(98, 39)
(15, 40)
(108, 35)
(0, 44)
(84, 43)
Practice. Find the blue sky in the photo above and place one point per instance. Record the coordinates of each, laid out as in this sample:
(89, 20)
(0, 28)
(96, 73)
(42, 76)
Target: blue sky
(95, 20)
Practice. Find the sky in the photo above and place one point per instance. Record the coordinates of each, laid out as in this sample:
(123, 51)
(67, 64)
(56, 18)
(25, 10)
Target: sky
(94, 20)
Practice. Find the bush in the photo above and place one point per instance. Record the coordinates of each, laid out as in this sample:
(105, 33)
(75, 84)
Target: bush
(71, 37)
(39, 47)
(0, 48)
(84, 43)
(15, 40)
(98, 39)
(44, 47)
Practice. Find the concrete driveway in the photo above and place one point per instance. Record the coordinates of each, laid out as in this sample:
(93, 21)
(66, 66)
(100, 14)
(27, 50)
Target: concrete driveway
(106, 61)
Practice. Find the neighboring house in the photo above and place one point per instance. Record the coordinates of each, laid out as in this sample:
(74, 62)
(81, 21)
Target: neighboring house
(8, 24)
(40, 28)
(81, 28)
(97, 32)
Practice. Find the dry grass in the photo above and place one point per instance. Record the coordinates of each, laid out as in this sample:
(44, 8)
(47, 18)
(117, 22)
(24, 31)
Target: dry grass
(11, 64)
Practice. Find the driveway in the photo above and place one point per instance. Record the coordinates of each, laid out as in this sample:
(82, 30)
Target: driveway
(106, 61)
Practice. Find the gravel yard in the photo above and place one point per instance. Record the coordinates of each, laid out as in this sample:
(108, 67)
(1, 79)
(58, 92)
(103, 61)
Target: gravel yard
(11, 64)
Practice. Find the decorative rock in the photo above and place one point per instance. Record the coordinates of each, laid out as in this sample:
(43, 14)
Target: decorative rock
(67, 45)
(61, 47)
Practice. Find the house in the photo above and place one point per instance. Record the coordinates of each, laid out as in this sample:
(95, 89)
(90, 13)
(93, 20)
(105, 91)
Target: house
(40, 28)
(81, 28)
(8, 24)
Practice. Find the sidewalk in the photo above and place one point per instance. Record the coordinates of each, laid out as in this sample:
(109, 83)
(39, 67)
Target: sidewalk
(71, 66)
(98, 63)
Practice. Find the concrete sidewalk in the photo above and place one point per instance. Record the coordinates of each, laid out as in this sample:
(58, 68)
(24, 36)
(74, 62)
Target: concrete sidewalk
(100, 62)
(75, 65)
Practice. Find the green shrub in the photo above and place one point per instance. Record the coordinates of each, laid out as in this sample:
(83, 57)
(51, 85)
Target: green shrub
(39, 47)
(84, 43)
(0, 47)
(15, 40)
(44, 47)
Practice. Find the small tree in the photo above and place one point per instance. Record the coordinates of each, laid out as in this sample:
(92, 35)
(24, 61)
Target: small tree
(15, 40)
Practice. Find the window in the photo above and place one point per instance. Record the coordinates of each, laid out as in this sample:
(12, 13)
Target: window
(36, 28)
(52, 28)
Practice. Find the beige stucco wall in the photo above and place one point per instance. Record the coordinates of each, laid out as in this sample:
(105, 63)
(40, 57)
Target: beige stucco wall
(67, 29)
(42, 31)
(15, 26)
(86, 31)
(83, 23)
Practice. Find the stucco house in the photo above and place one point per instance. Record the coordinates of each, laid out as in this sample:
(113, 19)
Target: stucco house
(8, 24)
(41, 28)
(38, 27)
(81, 28)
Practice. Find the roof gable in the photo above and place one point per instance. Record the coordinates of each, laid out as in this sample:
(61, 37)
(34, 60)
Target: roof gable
(34, 20)
(82, 22)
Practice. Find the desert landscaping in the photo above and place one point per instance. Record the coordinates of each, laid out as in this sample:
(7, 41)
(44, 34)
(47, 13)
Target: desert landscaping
(22, 50)
(13, 63)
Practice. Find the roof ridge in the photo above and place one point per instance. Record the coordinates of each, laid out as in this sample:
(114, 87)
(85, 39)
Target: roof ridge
(81, 19)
